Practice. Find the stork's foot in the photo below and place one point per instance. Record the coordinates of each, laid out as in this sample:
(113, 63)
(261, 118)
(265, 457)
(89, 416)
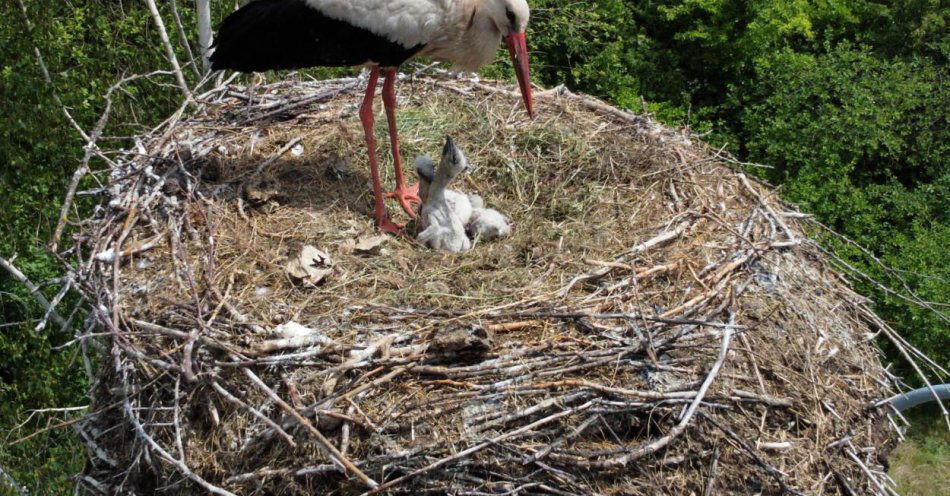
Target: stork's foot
(387, 226)
(406, 196)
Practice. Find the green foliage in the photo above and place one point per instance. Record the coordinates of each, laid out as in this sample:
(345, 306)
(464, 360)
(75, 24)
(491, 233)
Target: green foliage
(87, 47)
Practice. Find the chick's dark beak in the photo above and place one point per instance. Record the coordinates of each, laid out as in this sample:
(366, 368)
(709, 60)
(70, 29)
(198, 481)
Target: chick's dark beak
(518, 49)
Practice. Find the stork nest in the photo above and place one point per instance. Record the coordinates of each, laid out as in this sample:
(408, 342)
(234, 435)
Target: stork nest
(658, 322)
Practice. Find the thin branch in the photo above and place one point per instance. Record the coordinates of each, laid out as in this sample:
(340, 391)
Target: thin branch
(169, 49)
(273, 425)
(183, 38)
(479, 447)
(12, 482)
(323, 441)
(35, 292)
(179, 465)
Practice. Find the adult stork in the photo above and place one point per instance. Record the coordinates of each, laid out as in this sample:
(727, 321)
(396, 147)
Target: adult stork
(292, 34)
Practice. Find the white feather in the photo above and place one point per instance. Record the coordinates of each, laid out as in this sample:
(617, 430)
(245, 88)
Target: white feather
(407, 22)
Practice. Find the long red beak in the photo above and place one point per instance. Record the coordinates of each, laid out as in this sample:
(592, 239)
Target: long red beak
(518, 48)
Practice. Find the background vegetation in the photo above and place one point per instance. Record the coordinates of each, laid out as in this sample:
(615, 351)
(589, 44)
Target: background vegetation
(847, 100)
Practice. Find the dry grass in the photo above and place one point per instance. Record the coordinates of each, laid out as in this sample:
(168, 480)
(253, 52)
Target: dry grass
(588, 376)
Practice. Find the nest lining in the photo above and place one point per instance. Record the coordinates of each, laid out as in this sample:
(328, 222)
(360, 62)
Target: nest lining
(657, 322)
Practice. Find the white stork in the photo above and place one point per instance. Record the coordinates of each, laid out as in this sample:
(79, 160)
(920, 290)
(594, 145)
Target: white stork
(293, 34)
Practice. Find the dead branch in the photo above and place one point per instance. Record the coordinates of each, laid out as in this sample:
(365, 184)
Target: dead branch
(12, 483)
(37, 294)
(334, 453)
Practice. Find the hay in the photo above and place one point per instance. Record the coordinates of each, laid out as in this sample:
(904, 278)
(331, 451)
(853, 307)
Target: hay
(657, 323)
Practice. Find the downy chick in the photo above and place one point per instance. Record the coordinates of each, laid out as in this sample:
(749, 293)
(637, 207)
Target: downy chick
(443, 228)
(485, 223)
(460, 203)
(488, 224)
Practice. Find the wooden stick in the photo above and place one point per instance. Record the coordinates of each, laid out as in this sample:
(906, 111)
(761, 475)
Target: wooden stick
(684, 419)
(275, 157)
(12, 482)
(711, 483)
(182, 37)
(273, 425)
(179, 464)
(324, 442)
(657, 240)
(478, 447)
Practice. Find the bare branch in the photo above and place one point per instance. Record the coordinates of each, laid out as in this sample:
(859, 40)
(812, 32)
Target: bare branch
(35, 292)
(169, 49)
(12, 483)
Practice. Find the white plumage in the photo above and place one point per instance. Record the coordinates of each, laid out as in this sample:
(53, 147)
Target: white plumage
(443, 227)
(488, 224)
(407, 22)
(451, 208)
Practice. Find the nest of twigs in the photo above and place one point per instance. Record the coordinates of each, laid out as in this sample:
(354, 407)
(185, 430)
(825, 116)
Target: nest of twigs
(657, 323)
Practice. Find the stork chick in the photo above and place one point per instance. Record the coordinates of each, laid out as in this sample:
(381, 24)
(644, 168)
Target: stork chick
(443, 229)
(479, 221)
(487, 224)
(460, 203)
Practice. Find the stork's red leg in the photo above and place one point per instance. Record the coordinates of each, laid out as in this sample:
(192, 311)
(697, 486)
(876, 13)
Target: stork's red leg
(366, 117)
(405, 195)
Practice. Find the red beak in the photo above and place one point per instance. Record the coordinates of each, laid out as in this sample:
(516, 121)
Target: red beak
(518, 48)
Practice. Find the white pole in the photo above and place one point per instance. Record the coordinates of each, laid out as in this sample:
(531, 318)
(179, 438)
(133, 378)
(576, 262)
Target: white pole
(204, 30)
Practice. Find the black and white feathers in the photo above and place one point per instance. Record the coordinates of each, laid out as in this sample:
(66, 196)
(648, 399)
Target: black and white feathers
(293, 34)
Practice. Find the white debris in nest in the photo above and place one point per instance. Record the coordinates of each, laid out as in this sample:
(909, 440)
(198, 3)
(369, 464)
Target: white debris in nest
(297, 150)
(107, 256)
(290, 330)
(366, 245)
(291, 335)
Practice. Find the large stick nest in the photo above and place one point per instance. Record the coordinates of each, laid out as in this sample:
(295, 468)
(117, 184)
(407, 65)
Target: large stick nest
(657, 322)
